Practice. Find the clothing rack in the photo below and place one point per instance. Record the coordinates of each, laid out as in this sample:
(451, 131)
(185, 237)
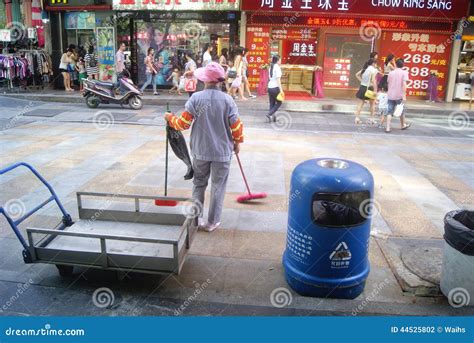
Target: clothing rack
(25, 69)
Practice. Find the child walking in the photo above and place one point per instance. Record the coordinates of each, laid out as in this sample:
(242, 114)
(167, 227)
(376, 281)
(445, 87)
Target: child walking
(382, 102)
(176, 78)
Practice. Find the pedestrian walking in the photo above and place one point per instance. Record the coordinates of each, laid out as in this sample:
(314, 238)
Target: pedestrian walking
(175, 76)
(150, 71)
(368, 89)
(236, 86)
(245, 75)
(216, 133)
(382, 104)
(64, 67)
(73, 74)
(207, 55)
(190, 82)
(397, 95)
(92, 65)
(389, 65)
(223, 61)
(275, 88)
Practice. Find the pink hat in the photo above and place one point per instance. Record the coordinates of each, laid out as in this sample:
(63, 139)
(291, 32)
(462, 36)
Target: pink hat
(213, 72)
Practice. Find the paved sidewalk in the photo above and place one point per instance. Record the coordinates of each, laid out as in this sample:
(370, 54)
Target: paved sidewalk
(415, 107)
(420, 174)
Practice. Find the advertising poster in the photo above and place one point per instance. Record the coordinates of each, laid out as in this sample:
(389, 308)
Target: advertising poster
(258, 52)
(106, 53)
(423, 53)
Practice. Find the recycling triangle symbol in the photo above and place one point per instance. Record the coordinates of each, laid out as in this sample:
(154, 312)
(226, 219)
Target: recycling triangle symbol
(341, 253)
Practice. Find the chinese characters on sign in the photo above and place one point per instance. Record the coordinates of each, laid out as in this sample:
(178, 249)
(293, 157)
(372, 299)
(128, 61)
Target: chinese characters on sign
(257, 56)
(300, 245)
(176, 5)
(448, 9)
(423, 54)
(337, 72)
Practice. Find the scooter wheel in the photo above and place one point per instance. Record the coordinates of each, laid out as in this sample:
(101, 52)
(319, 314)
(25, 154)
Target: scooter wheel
(135, 103)
(92, 101)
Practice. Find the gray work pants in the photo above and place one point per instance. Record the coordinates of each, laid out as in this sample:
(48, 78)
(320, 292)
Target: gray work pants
(219, 173)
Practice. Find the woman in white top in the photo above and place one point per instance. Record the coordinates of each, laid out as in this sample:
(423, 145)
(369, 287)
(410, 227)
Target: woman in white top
(64, 67)
(274, 87)
(367, 77)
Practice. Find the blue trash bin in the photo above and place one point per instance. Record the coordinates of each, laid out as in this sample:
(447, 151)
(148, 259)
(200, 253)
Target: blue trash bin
(329, 219)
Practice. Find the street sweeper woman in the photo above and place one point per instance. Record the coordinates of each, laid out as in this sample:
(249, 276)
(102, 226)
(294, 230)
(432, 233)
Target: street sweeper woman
(216, 133)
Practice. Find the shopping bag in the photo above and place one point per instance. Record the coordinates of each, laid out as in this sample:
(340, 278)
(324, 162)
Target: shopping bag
(190, 85)
(182, 81)
(399, 110)
(281, 97)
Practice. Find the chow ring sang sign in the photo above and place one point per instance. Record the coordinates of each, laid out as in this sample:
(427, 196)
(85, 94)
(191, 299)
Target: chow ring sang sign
(176, 5)
(446, 9)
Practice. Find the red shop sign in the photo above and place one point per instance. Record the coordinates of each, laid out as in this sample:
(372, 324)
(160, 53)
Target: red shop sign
(452, 9)
(319, 21)
(423, 53)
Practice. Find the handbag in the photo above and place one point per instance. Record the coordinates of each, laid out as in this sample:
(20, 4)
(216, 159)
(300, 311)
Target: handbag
(190, 85)
(399, 110)
(370, 94)
(70, 67)
(182, 82)
(281, 97)
(232, 74)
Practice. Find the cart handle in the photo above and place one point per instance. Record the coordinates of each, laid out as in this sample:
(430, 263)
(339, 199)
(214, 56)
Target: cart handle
(98, 236)
(67, 221)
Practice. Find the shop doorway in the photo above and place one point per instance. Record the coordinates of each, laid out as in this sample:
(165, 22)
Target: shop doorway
(344, 56)
(171, 40)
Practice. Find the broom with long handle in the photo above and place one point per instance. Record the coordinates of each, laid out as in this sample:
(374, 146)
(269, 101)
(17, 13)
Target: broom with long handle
(250, 196)
(162, 202)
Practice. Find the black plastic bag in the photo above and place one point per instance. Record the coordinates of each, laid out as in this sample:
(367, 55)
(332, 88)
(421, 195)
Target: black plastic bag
(459, 231)
(329, 213)
(180, 149)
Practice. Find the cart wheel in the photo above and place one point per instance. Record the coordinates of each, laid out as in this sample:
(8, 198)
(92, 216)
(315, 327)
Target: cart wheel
(65, 270)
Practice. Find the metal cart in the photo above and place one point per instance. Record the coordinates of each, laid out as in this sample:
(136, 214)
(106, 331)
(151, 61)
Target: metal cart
(114, 232)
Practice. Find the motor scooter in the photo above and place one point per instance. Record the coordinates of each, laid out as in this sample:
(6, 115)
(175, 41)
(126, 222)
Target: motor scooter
(97, 92)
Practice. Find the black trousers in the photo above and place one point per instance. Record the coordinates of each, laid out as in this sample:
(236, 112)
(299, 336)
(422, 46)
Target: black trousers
(274, 103)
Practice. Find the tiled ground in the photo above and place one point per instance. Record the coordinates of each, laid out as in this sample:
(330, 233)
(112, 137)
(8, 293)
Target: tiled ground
(417, 179)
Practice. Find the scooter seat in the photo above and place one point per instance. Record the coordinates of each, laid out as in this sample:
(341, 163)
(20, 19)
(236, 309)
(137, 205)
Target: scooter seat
(105, 84)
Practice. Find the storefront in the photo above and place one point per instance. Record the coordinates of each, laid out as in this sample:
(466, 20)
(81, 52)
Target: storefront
(339, 35)
(465, 66)
(173, 27)
(77, 22)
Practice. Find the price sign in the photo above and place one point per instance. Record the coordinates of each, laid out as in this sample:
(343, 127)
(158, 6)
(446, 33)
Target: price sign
(5, 36)
(337, 72)
(258, 55)
(423, 54)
